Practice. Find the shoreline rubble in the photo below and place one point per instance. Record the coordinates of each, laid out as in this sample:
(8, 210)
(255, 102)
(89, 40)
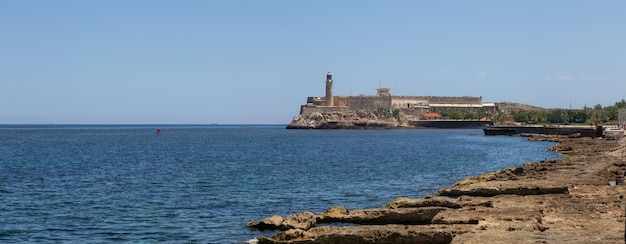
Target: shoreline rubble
(577, 199)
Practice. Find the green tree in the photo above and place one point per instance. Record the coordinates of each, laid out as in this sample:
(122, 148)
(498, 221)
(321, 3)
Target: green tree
(522, 116)
(453, 114)
(470, 115)
(600, 116)
(579, 116)
(558, 116)
(536, 117)
(613, 112)
(501, 117)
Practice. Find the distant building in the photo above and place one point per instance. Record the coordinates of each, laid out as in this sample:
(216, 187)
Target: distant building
(431, 116)
(385, 103)
(383, 92)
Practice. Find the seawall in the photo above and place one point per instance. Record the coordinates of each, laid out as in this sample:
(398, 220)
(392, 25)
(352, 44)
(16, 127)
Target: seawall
(584, 131)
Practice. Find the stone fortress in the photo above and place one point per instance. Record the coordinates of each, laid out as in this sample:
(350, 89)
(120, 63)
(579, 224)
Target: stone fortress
(385, 110)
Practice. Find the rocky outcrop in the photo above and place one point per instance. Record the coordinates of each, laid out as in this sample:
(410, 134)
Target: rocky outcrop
(454, 203)
(381, 234)
(376, 216)
(347, 120)
(270, 223)
(578, 199)
(303, 221)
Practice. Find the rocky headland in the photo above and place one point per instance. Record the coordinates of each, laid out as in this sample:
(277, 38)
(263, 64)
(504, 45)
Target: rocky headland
(351, 119)
(362, 119)
(577, 199)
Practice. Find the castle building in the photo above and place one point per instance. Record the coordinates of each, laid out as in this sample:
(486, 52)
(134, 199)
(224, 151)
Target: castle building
(385, 102)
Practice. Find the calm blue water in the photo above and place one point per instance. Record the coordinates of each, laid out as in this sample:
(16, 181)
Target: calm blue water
(203, 183)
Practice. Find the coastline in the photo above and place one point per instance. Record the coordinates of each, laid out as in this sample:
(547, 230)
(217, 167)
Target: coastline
(577, 199)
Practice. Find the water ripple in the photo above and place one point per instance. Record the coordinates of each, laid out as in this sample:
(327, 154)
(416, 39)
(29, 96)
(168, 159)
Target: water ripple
(202, 184)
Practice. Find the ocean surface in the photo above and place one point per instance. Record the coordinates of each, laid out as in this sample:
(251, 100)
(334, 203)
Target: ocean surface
(202, 183)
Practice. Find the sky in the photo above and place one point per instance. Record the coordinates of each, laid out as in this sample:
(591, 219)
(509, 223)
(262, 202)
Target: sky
(256, 62)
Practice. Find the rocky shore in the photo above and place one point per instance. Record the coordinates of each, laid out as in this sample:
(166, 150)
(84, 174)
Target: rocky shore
(352, 119)
(578, 199)
(361, 119)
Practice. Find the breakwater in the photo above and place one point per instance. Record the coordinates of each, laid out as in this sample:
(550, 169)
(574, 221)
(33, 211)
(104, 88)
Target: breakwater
(582, 131)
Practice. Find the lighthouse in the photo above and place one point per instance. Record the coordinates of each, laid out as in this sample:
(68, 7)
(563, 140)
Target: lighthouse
(329, 89)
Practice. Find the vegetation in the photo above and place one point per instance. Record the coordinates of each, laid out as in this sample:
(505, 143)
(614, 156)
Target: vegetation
(586, 115)
(396, 114)
(472, 114)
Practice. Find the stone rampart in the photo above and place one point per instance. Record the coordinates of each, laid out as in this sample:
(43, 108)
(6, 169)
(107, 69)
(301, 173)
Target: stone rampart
(368, 103)
(425, 101)
(473, 110)
(377, 103)
(319, 101)
(444, 100)
(408, 102)
(307, 109)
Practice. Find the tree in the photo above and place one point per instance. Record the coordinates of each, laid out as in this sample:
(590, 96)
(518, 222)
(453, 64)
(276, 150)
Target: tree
(600, 116)
(579, 116)
(501, 117)
(470, 115)
(453, 114)
(536, 117)
(558, 116)
(522, 116)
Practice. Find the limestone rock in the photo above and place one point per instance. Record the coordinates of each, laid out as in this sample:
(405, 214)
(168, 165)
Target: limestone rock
(445, 202)
(270, 223)
(376, 216)
(362, 234)
(335, 212)
(303, 221)
(536, 207)
(351, 119)
(403, 202)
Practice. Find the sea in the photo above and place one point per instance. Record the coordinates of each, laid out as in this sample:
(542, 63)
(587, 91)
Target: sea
(203, 183)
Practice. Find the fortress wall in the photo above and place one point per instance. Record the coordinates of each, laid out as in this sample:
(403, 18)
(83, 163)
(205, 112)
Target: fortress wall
(414, 111)
(387, 104)
(444, 100)
(305, 109)
(407, 102)
(474, 110)
(370, 103)
(319, 101)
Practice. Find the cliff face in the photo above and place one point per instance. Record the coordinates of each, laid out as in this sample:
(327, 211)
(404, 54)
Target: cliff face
(359, 119)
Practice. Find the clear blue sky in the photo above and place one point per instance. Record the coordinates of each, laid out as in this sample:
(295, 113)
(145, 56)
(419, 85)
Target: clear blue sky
(256, 61)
